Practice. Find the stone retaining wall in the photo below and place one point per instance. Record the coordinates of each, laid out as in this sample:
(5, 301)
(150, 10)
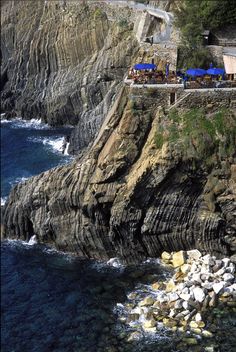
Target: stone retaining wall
(155, 95)
(210, 98)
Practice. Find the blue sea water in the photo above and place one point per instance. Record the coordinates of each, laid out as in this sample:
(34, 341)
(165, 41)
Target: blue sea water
(52, 301)
(55, 302)
(28, 148)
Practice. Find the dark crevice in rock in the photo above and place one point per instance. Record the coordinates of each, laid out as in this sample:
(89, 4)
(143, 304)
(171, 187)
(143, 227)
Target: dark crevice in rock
(4, 79)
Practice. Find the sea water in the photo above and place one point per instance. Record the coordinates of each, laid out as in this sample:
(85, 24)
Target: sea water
(28, 148)
(56, 302)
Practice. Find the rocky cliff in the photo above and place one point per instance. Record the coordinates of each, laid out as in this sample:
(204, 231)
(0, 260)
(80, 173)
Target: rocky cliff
(152, 181)
(62, 61)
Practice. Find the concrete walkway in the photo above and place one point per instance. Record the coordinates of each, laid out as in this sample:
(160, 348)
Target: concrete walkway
(159, 86)
(166, 16)
(153, 11)
(202, 90)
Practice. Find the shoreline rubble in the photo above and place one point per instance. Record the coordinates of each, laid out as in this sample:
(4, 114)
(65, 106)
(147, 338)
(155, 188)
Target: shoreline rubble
(185, 303)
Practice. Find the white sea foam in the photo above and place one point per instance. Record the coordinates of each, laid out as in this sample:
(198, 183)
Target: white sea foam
(102, 266)
(115, 262)
(8, 121)
(35, 124)
(18, 180)
(3, 201)
(66, 149)
(33, 240)
(56, 144)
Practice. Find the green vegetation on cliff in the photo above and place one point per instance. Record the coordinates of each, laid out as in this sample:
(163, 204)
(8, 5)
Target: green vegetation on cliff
(198, 135)
(194, 16)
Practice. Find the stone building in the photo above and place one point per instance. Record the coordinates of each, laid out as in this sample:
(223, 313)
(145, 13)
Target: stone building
(229, 57)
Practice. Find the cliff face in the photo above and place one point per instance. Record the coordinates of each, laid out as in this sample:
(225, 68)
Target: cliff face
(135, 193)
(151, 181)
(62, 61)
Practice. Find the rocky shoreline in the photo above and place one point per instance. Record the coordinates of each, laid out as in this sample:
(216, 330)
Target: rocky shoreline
(200, 288)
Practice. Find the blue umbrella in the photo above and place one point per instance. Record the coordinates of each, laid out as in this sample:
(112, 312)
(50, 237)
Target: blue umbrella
(215, 71)
(144, 67)
(195, 72)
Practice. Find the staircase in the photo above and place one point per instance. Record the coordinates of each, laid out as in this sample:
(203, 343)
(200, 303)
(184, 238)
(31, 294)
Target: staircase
(178, 101)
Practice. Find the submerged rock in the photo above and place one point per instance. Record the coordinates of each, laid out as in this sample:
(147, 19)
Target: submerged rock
(149, 324)
(148, 301)
(190, 341)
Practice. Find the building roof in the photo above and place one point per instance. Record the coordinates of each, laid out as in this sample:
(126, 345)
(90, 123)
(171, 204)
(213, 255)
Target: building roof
(206, 32)
(229, 51)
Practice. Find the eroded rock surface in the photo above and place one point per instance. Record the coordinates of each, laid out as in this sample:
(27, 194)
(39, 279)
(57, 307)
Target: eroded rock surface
(128, 197)
(63, 61)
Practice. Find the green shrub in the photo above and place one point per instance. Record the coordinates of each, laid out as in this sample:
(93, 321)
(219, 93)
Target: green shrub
(123, 23)
(142, 1)
(194, 16)
(134, 105)
(174, 134)
(159, 140)
(219, 121)
(200, 136)
(174, 115)
(198, 57)
(98, 13)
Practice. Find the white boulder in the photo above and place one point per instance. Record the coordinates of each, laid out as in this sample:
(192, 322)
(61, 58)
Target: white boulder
(220, 272)
(230, 269)
(208, 260)
(194, 254)
(198, 317)
(199, 294)
(225, 261)
(173, 297)
(228, 277)
(185, 296)
(218, 286)
(185, 305)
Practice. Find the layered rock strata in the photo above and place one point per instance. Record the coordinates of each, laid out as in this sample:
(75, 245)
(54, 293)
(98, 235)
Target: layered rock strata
(62, 61)
(131, 196)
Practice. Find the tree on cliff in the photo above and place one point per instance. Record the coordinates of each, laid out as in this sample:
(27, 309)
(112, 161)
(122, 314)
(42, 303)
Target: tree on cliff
(192, 17)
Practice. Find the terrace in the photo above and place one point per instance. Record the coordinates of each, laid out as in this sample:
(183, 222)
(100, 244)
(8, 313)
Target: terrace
(147, 75)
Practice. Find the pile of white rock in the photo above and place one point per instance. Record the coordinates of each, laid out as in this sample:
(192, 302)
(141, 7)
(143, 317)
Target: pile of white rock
(199, 284)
